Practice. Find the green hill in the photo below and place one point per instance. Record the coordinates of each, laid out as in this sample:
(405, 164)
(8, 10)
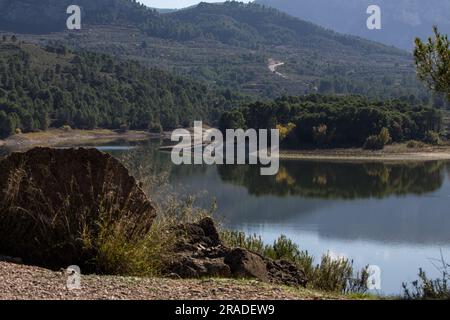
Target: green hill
(227, 45)
(55, 87)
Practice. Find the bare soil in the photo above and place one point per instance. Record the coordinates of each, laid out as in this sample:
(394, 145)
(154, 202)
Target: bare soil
(54, 137)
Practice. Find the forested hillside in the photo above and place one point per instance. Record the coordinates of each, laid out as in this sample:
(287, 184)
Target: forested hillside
(330, 121)
(55, 87)
(227, 45)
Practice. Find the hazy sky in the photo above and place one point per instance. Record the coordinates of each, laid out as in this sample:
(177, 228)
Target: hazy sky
(177, 3)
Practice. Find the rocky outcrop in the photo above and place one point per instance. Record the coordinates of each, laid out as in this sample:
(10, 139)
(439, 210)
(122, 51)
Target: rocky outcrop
(52, 199)
(200, 253)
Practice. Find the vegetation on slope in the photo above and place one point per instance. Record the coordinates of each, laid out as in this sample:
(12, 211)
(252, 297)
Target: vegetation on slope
(330, 121)
(55, 87)
(227, 45)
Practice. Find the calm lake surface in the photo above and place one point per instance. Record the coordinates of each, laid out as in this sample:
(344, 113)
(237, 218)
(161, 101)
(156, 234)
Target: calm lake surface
(396, 216)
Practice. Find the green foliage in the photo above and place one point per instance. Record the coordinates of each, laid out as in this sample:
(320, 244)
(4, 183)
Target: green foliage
(320, 134)
(433, 62)
(155, 128)
(85, 90)
(334, 275)
(429, 289)
(241, 240)
(379, 141)
(6, 125)
(414, 144)
(227, 45)
(231, 120)
(432, 137)
(124, 128)
(332, 121)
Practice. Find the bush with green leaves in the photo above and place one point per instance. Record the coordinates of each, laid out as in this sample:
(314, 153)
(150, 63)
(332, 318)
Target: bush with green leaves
(414, 144)
(428, 289)
(432, 137)
(378, 142)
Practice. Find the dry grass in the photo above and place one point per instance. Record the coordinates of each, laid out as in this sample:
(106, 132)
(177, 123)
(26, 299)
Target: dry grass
(54, 137)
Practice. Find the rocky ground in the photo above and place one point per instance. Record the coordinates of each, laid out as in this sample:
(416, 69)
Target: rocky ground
(26, 282)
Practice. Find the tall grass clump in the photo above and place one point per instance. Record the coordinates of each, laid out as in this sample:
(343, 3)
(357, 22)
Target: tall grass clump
(97, 219)
(430, 289)
(57, 228)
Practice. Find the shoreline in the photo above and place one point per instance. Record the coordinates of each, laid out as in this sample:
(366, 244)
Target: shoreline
(57, 137)
(391, 153)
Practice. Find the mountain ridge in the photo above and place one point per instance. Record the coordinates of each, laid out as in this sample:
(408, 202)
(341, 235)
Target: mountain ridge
(229, 45)
(401, 20)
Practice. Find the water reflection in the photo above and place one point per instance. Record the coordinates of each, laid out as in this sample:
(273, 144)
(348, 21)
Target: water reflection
(384, 203)
(339, 180)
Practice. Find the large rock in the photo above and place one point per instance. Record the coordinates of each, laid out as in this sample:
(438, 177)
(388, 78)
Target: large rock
(200, 253)
(50, 199)
(246, 264)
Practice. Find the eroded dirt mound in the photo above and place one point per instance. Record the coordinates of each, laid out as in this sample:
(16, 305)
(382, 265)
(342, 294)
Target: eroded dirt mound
(53, 200)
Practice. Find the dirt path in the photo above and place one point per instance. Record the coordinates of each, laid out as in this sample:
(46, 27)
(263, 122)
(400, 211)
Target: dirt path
(273, 65)
(25, 282)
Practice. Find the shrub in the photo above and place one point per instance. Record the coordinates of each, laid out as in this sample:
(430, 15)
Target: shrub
(124, 128)
(373, 143)
(414, 144)
(155, 128)
(429, 289)
(432, 137)
(335, 275)
(66, 128)
(241, 240)
(285, 131)
(320, 134)
(377, 142)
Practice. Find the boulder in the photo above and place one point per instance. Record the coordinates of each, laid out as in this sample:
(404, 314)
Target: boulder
(50, 199)
(199, 253)
(246, 264)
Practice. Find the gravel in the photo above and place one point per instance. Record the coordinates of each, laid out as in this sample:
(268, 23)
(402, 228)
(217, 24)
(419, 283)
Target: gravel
(33, 283)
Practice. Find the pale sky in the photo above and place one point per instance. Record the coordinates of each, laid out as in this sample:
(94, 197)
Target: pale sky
(171, 4)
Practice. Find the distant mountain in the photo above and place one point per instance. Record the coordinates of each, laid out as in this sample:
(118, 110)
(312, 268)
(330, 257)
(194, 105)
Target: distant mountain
(229, 45)
(402, 20)
(231, 22)
(164, 10)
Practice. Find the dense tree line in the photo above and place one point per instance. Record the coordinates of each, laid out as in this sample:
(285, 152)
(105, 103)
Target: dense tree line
(329, 121)
(55, 87)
